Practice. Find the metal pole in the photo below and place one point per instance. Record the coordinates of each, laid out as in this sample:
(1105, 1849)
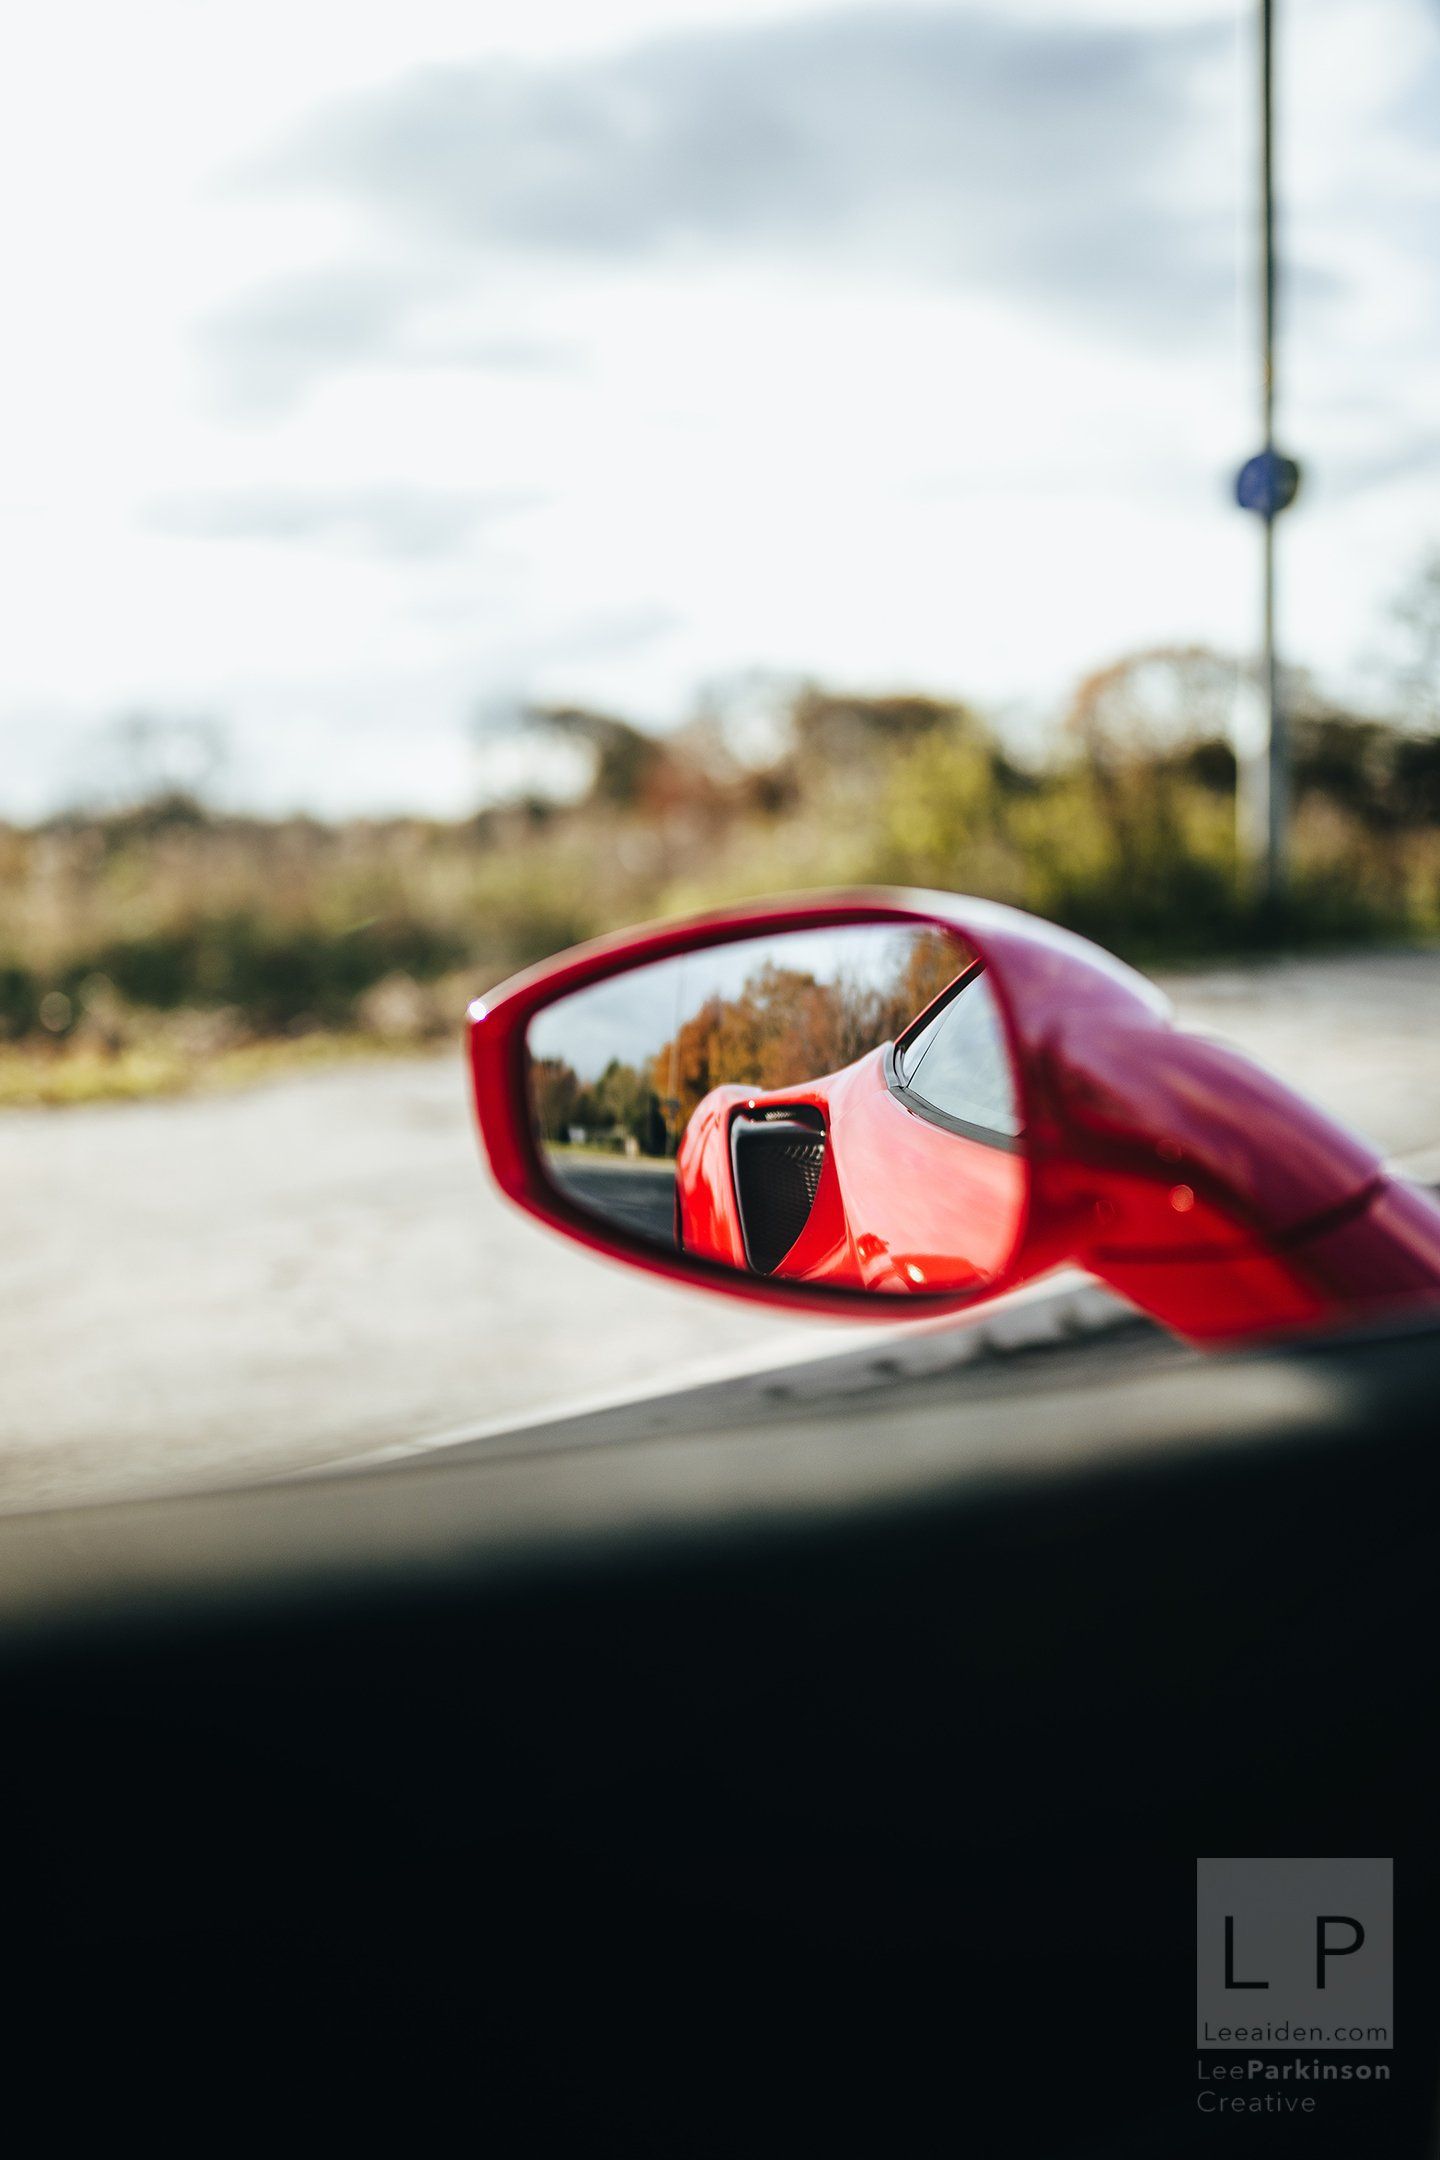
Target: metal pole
(1271, 815)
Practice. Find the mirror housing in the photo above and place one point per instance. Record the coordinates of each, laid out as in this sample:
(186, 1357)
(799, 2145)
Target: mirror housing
(1172, 1167)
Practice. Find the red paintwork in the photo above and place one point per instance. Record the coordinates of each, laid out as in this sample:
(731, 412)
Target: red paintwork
(1196, 1183)
(902, 1206)
(709, 1222)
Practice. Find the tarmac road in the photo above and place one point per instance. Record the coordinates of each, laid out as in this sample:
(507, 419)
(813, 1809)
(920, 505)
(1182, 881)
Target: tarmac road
(638, 1195)
(243, 1285)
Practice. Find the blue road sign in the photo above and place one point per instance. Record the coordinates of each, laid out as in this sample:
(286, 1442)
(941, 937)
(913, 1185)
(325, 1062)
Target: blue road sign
(1267, 484)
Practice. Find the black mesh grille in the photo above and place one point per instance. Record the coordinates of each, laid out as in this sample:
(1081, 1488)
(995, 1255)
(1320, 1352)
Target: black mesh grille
(777, 1173)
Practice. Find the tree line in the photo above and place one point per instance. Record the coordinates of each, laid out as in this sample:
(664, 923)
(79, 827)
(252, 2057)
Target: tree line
(783, 1027)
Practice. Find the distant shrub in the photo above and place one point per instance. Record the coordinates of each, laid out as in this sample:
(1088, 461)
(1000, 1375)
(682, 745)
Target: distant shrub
(275, 973)
(20, 996)
(168, 927)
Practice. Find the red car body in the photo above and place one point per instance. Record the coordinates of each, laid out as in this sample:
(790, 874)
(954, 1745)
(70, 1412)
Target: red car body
(902, 1204)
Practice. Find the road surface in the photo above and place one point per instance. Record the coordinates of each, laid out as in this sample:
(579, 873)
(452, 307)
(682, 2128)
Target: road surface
(242, 1285)
(639, 1196)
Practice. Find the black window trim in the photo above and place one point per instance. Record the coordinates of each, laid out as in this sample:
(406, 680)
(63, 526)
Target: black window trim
(986, 1135)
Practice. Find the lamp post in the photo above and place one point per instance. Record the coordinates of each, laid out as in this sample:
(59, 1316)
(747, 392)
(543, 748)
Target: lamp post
(1266, 485)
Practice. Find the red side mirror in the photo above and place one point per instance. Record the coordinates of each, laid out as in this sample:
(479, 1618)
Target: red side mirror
(847, 1100)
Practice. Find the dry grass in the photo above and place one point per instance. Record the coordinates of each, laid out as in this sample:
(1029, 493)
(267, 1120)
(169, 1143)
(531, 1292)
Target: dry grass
(166, 948)
(33, 1077)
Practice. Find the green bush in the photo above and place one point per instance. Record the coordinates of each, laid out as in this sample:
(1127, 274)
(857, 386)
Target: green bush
(20, 995)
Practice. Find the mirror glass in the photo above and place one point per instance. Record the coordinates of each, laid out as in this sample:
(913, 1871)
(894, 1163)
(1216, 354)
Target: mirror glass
(828, 1107)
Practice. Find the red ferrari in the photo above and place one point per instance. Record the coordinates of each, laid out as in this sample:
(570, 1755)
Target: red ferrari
(903, 1172)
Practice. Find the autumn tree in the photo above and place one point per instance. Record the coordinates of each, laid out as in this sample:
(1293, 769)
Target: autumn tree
(556, 1092)
(783, 1027)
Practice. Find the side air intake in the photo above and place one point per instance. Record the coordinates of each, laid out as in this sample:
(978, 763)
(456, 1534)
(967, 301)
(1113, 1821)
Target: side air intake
(776, 1160)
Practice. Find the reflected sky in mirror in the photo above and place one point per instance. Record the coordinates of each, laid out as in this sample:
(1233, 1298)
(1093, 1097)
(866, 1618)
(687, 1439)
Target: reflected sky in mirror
(630, 1016)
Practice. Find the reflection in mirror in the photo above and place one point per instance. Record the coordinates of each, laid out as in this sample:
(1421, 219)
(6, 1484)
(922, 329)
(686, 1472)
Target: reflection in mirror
(832, 1107)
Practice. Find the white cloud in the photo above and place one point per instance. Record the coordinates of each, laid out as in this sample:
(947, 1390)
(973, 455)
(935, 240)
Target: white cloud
(946, 390)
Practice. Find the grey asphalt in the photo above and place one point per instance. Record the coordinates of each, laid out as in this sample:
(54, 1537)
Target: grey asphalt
(233, 1286)
(639, 1196)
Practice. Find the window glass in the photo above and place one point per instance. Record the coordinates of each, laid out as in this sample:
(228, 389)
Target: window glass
(959, 1063)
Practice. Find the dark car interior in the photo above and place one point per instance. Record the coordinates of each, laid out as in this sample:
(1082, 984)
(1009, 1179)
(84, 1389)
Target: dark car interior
(744, 1773)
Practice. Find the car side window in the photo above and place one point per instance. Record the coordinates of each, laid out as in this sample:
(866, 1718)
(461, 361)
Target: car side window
(959, 1062)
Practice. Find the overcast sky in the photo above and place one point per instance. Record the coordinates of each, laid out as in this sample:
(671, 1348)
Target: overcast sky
(368, 366)
(632, 1016)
